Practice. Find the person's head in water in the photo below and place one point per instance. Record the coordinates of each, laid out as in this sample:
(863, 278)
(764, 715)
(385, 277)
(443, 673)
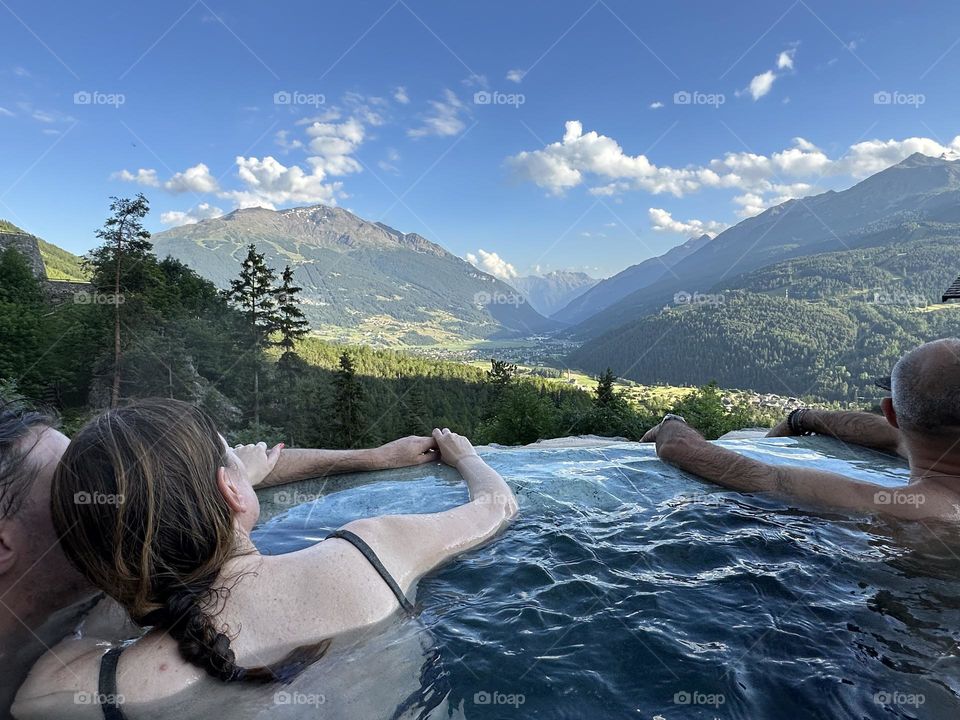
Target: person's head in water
(35, 578)
(151, 505)
(925, 386)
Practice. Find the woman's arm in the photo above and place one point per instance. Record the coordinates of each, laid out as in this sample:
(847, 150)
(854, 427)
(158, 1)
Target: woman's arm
(412, 545)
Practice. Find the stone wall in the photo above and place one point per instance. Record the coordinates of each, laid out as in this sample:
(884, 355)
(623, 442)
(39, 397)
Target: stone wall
(27, 246)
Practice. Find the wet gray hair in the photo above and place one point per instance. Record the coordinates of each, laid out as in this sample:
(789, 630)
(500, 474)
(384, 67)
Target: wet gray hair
(16, 469)
(926, 388)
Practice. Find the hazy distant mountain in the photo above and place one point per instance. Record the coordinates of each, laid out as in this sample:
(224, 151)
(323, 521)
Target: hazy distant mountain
(607, 292)
(919, 188)
(357, 273)
(550, 292)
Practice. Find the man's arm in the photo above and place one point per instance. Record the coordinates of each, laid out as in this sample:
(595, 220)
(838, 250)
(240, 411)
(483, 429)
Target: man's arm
(855, 428)
(295, 465)
(682, 446)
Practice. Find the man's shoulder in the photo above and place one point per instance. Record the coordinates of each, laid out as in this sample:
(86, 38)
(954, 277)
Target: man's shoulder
(63, 682)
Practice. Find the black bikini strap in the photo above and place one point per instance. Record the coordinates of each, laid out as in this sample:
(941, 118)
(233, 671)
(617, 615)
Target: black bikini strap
(371, 556)
(109, 700)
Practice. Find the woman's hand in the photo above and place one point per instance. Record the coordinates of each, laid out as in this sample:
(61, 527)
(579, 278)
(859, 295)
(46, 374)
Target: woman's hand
(258, 461)
(453, 448)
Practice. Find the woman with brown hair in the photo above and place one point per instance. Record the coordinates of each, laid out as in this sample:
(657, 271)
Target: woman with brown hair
(155, 509)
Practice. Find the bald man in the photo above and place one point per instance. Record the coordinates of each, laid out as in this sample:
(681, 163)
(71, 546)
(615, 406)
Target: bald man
(921, 422)
(42, 597)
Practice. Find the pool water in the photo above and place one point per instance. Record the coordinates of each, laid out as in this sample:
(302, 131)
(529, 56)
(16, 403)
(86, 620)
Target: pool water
(627, 589)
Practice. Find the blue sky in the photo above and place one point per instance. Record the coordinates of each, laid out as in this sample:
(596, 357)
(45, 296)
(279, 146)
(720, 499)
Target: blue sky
(549, 135)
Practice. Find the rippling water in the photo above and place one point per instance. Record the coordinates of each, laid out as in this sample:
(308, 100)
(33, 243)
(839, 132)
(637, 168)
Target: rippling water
(628, 589)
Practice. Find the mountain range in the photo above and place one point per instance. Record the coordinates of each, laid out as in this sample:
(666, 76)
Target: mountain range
(359, 274)
(552, 291)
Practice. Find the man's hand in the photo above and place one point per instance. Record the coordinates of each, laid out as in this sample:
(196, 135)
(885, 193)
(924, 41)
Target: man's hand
(413, 450)
(781, 429)
(654, 433)
(453, 448)
(257, 460)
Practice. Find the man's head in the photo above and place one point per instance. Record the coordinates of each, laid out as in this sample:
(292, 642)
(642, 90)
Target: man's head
(925, 385)
(34, 574)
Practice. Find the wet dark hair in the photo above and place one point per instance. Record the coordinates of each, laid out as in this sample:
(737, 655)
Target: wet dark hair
(159, 546)
(17, 421)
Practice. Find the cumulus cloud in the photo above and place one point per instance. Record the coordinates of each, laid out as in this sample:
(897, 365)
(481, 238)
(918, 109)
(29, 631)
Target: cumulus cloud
(269, 183)
(333, 146)
(493, 264)
(761, 84)
(400, 95)
(761, 180)
(443, 119)
(203, 211)
(516, 75)
(144, 176)
(662, 221)
(785, 60)
(196, 179)
(656, 105)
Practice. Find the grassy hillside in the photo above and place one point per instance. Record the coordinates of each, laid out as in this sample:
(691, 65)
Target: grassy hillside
(60, 264)
(8, 227)
(823, 325)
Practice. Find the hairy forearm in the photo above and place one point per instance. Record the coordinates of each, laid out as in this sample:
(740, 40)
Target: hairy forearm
(295, 465)
(682, 446)
(856, 428)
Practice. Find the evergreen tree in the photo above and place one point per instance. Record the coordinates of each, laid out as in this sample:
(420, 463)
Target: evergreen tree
(291, 323)
(254, 295)
(606, 396)
(125, 244)
(21, 324)
(349, 405)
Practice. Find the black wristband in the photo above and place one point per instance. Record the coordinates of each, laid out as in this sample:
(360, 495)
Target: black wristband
(795, 422)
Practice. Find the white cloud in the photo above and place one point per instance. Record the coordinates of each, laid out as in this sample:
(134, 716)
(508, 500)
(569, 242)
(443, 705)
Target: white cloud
(203, 211)
(662, 221)
(493, 264)
(656, 105)
(516, 75)
(400, 95)
(389, 163)
(333, 145)
(5, 113)
(282, 139)
(762, 180)
(269, 183)
(444, 118)
(143, 176)
(196, 179)
(761, 84)
(785, 60)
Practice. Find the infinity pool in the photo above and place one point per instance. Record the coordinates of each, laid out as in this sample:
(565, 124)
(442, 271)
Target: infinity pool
(627, 589)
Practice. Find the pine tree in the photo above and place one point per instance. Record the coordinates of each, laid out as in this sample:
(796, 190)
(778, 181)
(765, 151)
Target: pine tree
(349, 405)
(125, 244)
(606, 396)
(291, 323)
(254, 295)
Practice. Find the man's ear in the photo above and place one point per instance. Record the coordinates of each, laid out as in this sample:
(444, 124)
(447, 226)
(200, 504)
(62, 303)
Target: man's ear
(888, 412)
(8, 551)
(230, 489)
